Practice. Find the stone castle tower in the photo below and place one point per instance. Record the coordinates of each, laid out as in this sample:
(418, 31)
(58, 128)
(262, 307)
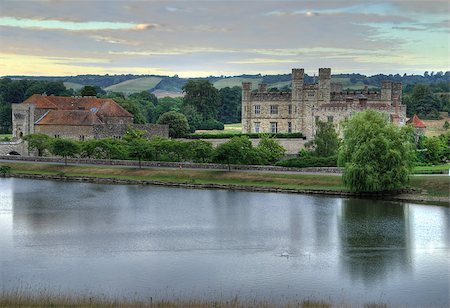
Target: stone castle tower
(301, 109)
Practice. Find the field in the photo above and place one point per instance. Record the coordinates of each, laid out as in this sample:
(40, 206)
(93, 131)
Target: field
(435, 127)
(237, 81)
(229, 128)
(73, 85)
(346, 83)
(163, 93)
(135, 85)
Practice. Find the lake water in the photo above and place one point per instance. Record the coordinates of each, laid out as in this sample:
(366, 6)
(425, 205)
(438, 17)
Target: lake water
(142, 241)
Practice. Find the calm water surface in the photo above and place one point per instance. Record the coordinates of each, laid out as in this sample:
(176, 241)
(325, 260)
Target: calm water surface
(162, 242)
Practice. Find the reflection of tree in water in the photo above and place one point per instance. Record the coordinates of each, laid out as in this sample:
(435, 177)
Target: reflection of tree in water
(374, 239)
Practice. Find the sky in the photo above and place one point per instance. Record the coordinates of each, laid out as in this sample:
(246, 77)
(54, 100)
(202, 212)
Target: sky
(203, 38)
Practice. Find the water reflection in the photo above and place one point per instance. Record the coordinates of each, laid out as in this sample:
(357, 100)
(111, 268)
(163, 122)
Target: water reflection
(374, 239)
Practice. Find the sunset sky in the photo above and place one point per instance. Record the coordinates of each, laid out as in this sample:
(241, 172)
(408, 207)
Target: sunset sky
(201, 38)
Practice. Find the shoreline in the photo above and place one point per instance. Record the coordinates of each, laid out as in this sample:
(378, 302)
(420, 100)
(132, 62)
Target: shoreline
(404, 195)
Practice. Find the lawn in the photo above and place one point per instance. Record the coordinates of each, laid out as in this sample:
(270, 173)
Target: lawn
(229, 128)
(432, 169)
(237, 81)
(3, 136)
(436, 127)
(73, 85)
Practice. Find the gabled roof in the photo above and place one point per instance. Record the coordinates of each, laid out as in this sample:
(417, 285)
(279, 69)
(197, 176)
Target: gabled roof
(416, 122)
(108, 107)
(69, 117)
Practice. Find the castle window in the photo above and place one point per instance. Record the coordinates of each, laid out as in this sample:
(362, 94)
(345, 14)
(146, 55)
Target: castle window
(289, 109)
(273, 127)
(257, 127)
(57, 136)
(81, 138)
(273, 109)
(257, 109)
(330, 119)
(289, 127)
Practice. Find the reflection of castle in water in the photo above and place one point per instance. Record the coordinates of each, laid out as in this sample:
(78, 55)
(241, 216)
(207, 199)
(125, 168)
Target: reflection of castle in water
(375, 239)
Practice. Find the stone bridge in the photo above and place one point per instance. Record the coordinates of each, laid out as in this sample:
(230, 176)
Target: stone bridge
(13, 148)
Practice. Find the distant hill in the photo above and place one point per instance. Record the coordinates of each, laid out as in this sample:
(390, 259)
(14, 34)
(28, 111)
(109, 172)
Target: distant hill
(172, 86)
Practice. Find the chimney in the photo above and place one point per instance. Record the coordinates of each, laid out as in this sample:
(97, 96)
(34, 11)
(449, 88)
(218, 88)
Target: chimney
(396, 105)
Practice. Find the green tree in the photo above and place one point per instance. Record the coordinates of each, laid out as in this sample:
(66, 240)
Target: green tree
(65, 148)
(88, 91)
(178, 124)
(201, 151)
(38, 142)
(194, 118)
(433, 149)
(230, 104)
(326, 141)
(141, 149)
(375, 154)
(238, 150)
(202, 95)
(5, 117)
(446, 125)
(270, 149)
(166, 104)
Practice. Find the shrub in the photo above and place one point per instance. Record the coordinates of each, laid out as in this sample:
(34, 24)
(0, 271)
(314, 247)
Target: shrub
(5, 169)
(178, 124)
(211, 124)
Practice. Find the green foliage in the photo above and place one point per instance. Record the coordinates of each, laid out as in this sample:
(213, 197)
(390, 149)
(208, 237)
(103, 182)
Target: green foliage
(166, 104)
(202, 95)
(376, 155)
(201, 151)
(133, 107)
(230, 104)
(326, 141)
(141, 149)
(446, 125)
(193, 117)
(38, 142)
(423, 102)
(211, 124)
(178, 124)
(270, 149)
(311, 161)
(65, 148)
(106, 148)
(434, 150)
(250, 135)
(5, 169)
(5, 118)
(88, 91)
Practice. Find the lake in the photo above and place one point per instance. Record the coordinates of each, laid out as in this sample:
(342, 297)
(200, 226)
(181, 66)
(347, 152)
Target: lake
(143, 241)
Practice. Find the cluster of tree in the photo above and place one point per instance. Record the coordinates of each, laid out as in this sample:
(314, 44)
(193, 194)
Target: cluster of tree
(237, 150)
(427, 101)
(433, 150)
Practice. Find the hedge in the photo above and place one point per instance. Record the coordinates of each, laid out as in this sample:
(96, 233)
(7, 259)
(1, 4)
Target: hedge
(251, 135)
(309, 162)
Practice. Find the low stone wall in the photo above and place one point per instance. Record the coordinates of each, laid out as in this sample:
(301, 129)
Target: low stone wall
(13, 146)
(187, 165)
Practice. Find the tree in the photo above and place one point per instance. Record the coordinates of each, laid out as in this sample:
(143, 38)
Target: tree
(446, 125)
(5, 118)
(375, 154)
(201, 151)
(230, 104)
(270, 149)
(88, 91)
(178, 124)
(238, 150)
(194, 118)
(38, 142)
(65, 148)
(202, 95)
(326, 141)
(141, 149)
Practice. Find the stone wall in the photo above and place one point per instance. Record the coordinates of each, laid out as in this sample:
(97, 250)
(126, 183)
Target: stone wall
(76, 132)
(16, 146)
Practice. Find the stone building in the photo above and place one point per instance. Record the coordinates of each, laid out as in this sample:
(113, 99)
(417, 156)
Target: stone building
(300, 110)
(77, 118)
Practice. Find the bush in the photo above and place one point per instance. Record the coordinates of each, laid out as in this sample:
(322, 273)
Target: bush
(211, 124)
(5, 169)
(309, 162)
(178, 124)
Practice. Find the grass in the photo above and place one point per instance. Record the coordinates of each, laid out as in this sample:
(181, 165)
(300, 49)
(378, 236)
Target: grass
(237, 81)
(436, 186)
(229, 128)
(432, 169)
(135, 85)
(435, 127)
(3, 136)
(73, 85)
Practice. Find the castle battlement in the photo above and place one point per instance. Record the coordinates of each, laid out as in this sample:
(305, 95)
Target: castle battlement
(323, 100)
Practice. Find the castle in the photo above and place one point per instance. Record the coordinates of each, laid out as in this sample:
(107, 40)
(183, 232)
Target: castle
(78, 118)
(301, 109)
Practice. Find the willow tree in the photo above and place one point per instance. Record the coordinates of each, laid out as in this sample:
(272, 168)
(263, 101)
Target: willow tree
(376, 154)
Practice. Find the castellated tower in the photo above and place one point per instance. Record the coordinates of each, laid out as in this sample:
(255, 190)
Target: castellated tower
(324, 85)
(23, 119)
(246, 107)
(298, 75)
(386, 90)
(397, 90)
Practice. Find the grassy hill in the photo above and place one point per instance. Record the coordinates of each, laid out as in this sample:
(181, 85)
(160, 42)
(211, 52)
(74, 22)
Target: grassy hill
(135, 85)
(236, 81)
(73, 85)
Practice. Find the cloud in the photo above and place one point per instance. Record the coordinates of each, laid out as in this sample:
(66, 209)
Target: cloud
(59, 24)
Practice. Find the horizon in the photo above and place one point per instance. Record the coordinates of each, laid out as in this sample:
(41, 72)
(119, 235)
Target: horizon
(195, 39)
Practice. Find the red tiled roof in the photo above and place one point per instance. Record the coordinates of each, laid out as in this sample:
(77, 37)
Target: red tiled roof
(416, 122)
(108, 107)
(69, 117)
